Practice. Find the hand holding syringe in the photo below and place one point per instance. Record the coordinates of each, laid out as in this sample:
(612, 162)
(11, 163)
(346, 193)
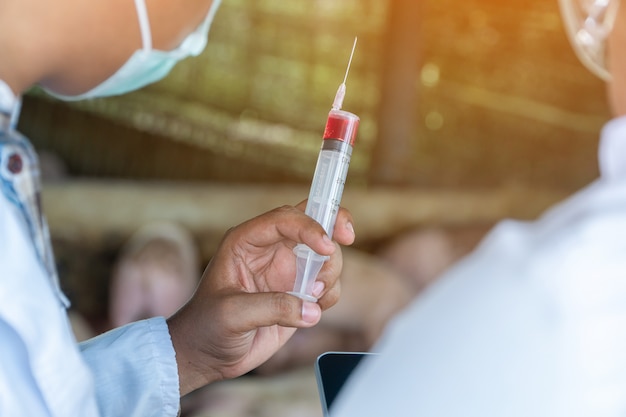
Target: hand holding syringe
(327, 186)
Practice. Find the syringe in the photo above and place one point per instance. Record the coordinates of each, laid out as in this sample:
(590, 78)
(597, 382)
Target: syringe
(327, 186)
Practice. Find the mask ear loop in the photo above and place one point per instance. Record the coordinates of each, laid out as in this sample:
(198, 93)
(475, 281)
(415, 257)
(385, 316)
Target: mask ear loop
(15, 114)
(144, 24)
(10, 104)
(195, 43)
(210, 16)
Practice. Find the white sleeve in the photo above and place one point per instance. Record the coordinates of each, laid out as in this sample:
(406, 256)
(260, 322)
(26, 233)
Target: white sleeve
(135, 370)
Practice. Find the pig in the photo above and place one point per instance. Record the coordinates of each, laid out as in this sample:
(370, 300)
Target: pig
(156, 273)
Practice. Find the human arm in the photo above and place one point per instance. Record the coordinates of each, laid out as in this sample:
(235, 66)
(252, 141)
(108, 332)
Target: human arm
(134, 370)
(241, 314)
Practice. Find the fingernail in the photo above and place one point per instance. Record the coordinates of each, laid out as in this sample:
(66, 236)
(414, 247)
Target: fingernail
(327, 240)
(310, 312)
(350, 227)
(318, 287)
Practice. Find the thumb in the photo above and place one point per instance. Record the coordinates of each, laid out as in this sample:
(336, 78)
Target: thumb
(275, 308)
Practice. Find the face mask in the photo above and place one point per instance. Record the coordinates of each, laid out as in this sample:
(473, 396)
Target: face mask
(148, 65)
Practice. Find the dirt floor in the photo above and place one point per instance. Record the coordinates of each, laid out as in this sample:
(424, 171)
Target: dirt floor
(289, 394)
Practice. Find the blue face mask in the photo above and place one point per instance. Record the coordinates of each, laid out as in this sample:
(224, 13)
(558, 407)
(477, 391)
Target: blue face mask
(148, 65)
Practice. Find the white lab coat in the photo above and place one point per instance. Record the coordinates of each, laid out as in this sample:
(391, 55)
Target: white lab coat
(130, 371)
(531, 324)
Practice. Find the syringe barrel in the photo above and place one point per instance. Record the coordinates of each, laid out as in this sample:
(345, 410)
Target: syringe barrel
(332, 168)
(325, 194)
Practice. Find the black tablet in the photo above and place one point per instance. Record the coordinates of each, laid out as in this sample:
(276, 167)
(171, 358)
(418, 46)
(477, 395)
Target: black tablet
(332, 369)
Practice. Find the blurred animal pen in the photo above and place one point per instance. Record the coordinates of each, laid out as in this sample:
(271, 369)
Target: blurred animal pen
(479, 93)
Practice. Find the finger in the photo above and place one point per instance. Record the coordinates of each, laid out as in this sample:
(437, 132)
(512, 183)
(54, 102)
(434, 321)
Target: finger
(285, 222)
(327, 287)
(343, 231)
(271, 308)
(344, 227)
(330, 297)
(302, 205)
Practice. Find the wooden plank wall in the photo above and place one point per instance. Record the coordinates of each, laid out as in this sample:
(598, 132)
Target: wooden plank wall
(497, 98)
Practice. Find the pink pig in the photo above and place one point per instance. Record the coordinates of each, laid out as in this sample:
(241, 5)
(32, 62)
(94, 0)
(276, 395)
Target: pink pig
(156, 273)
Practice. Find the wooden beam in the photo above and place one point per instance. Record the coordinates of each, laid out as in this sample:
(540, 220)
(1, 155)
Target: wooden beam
(97, 210)
(394, 151)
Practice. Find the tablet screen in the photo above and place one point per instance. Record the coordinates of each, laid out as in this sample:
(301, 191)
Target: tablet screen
(332, 369)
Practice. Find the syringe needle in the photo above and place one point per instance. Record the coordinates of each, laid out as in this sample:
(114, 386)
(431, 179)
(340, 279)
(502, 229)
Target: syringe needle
(341, 91)
(345, 78)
